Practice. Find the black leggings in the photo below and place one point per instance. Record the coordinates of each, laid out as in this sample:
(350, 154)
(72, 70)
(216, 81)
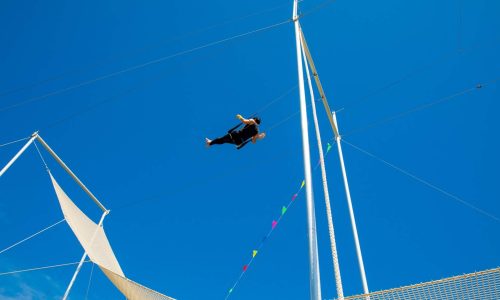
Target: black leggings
(223, 140)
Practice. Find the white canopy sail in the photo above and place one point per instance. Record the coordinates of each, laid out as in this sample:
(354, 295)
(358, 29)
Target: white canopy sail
(93, 239)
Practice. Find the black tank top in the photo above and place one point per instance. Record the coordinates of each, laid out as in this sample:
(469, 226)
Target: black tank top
(248, 132)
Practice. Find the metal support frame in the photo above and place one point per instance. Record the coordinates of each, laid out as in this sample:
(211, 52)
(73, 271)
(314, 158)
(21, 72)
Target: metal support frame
(7, 166)
(331, 231)
(318, 84)
(333, 122)
(351, 212)
(78, 181)
(314, 275)
(34, 136)
(63, 165)
(82, 260)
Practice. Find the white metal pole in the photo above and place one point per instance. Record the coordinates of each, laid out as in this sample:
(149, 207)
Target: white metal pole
(318, 84)
(333, 244)
(333, 122)
(351, 212)
(315, 283)
(78, 181)
(66, 294)
(7, 166)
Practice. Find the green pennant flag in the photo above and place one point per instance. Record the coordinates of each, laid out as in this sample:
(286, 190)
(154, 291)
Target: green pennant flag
(328, 147)
(283, 210)
(254, 253)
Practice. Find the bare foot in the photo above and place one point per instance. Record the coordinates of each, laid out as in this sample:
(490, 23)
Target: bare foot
(207, 142)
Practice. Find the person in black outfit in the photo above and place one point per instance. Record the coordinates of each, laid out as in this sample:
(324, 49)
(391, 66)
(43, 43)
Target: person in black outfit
(239, 137)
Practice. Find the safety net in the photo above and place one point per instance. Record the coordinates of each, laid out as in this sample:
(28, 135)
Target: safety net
(484, 285)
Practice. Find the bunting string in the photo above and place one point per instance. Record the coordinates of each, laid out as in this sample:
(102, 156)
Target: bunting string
(274, 224)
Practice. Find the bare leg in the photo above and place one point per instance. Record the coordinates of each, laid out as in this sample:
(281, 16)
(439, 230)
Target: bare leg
(221, 140)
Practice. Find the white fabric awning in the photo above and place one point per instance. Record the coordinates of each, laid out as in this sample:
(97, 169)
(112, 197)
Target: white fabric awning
(93, 239)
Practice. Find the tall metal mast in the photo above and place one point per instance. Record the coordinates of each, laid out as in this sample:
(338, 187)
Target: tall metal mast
(315, 282)
(333, 122)
(333, 243)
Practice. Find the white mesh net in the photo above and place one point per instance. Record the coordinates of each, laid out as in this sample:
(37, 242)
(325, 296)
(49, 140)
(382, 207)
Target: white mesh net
(484, 285)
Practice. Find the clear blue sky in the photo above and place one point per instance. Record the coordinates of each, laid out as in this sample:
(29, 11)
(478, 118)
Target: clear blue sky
(184, 219)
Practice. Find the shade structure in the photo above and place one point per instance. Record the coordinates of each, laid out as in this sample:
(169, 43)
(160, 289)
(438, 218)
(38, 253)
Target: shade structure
(96, 244)
(131, 289)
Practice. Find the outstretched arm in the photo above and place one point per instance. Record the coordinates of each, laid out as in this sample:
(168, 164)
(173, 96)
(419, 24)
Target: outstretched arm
(245, 121)
(259, 136)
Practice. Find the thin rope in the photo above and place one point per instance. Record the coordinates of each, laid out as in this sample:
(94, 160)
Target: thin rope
(396, 82)
(155, 61)
(13, 142)
(260, 110)
(286, 119)
(280, 97)
(140, 66)
(316, 8)
(152, 198)
(419, 69)
(331, 230)
(90, 280)
(41, 268)
(32, 236)
(265, 107)
(41, 156)
(425, 182)
(118, 96)
(262, 242)
(104, 61)
(195, 182)
(281, 122)
(421, 107)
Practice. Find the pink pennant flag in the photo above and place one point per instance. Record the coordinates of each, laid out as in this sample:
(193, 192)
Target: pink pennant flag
(274, 224)
(294, 196)
(245, 267)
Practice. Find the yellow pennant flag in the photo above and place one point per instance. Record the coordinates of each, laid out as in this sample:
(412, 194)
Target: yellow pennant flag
(254, 253)
(303, 183)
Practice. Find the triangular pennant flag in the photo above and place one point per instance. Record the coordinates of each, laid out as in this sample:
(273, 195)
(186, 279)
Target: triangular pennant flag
(328, 147)
(230, 291)
(274, 224)
(245, 267)
(283, 210)
(303, 183)
(254, 253)
(294, 196)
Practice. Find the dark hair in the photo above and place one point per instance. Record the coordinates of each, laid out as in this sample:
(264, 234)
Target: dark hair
(257, 120)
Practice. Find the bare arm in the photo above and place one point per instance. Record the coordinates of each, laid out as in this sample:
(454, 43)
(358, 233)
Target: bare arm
(246, 121)
(259, 136)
